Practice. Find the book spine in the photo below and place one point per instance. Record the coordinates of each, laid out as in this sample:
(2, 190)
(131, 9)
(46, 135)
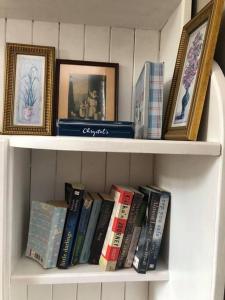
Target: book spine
(55, 237)
(141, 258)
(158, 232)
(115, 232)
(136, 233)
(134, 211)
(85, 253)
(82, 228)
(100, 232)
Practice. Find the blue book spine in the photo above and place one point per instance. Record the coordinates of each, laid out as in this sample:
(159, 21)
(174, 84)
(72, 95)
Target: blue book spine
(85, 253)
(158, 231)
(81, 231)
(55, 236)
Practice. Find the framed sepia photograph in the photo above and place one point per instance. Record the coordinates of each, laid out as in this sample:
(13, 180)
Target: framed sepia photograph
(29, 89)
(192, 72)
(86, 90)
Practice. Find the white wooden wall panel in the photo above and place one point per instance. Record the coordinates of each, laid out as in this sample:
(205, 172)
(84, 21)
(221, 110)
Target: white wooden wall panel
(122, 51)
(112, 291)
(19, 31)
(89, 291)
(43, 175)
(64, 291)
(136, 291)
(97, 41)
(71, 41)
(46, 34)
(141, 169)
(2, 69)
(37, 292)
(18, 291)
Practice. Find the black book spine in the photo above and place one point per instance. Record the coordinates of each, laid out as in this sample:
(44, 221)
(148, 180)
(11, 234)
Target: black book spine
(75, 201)
(100, 231)
(141, 259)
(134, 211)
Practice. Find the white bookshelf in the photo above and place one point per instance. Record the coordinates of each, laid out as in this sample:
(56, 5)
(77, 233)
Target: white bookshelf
(115, 145)
(35, 167)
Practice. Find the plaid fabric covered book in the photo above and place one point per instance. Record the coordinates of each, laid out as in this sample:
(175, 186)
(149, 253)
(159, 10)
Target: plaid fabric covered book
(149, 102)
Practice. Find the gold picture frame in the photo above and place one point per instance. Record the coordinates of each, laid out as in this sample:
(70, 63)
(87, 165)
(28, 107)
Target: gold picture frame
(192, 72)
(28, 89)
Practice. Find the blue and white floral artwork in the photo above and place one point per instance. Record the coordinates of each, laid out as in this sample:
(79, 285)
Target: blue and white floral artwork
(29, 90)
(189, 76)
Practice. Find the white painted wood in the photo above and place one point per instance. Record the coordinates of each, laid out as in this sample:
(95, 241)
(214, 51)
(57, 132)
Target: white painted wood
(115, 145)
(64, 291)
(2, 69)
(68, 169)
(43, 173)
(169, 42)
(136, 291)
(30, 272)
(118, 169)
(89, 291)
(127, 13)
(111, 291)
(97, 41)
(19, 31)
(71, 41)
(3, 196)
(46, 34)
(122, 52)
(18, 291)
(141, 169)
(37, 292)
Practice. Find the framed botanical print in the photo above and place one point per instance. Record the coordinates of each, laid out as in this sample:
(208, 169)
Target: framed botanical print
(29, 89)
(86, 90)
(192, 72)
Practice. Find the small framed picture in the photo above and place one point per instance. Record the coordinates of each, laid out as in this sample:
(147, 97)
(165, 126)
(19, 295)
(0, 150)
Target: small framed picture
(29, 89)
(192, 72)
(86, 90)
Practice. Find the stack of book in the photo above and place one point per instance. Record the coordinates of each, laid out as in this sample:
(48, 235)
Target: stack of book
(117, 230)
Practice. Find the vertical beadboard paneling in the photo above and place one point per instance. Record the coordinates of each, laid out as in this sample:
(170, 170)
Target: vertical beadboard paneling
(97, 40)
(93, 171)
(122, 51)
(43, 175)
(64, 291)
(19, 31)
(118, 168)
(141, 169)
(37, 292)
(136, 291)
(91, 291)
(2, 68)
(47, 34)
(71, 41)
(18, 291)
(68, 170)
(112, 291)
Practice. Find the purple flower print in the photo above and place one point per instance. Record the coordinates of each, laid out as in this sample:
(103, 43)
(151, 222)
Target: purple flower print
(193, 56)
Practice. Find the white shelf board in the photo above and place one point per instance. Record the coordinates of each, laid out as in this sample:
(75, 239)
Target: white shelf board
(151, 14)
(30, 272)
(115, 145)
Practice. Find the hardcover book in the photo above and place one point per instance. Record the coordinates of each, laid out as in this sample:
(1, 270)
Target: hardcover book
(136, 233)
(74, 197)
(159, 227)
(85, 253)
(101, 228)
(92, 128)
(45, 232)
(141, 257)
(134, 211)
(82, 228)
(123, 197)
(149, 102)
